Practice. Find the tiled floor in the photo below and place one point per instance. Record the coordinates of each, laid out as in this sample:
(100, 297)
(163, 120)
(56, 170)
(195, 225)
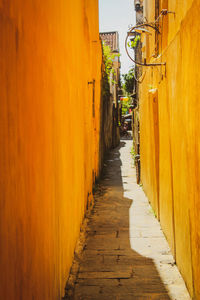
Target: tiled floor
(125, 254)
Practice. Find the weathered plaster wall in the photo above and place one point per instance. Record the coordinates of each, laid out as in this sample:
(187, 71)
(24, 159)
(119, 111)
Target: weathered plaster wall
(171, 162)
(49, 137)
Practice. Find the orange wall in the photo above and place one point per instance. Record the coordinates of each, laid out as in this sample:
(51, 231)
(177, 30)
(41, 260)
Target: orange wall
(49, 139)
(178, 149)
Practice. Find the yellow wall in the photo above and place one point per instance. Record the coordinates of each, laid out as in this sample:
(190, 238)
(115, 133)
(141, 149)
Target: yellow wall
(49, 139)
(178, 147)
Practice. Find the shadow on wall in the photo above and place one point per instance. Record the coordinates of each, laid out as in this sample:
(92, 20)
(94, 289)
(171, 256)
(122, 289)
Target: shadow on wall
(109, 267)
(110, 133)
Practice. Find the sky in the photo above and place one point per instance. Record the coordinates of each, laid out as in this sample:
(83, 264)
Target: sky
(117, 15)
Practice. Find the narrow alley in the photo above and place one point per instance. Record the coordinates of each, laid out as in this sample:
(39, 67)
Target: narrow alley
(100, 150)
(125, 254)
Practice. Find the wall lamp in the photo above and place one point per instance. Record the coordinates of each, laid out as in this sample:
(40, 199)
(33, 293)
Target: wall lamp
(143, 28)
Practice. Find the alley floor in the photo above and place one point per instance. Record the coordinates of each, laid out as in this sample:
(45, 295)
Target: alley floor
(124, 252)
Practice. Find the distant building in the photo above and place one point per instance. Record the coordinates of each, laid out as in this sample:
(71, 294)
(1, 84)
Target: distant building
(111, 39)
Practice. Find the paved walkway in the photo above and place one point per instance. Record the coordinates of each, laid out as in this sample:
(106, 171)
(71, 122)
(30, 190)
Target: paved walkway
(125, 254)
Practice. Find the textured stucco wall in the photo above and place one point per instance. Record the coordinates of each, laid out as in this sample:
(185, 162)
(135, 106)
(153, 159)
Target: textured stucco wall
(49, 136)
(171, 163)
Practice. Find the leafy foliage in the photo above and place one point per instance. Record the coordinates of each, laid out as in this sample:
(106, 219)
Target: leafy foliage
(106, 72)
(125, 106)
(108, 57)
(129, 81)
(133, 44)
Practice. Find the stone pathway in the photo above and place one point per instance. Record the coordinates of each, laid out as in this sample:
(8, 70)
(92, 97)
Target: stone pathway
(125, 254)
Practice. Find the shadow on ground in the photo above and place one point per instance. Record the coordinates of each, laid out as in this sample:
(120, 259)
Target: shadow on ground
(126, 136)
(108, 267)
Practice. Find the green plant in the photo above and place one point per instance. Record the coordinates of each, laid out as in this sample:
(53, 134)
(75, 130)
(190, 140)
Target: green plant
(108, 58)
(128, 81)
(152, 211)
(133, 154)
(150, 86)
(133, 43)
(125, 106)
(107, 70)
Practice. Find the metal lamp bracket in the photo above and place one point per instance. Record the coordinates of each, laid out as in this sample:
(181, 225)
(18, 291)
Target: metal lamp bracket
(154, 26)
